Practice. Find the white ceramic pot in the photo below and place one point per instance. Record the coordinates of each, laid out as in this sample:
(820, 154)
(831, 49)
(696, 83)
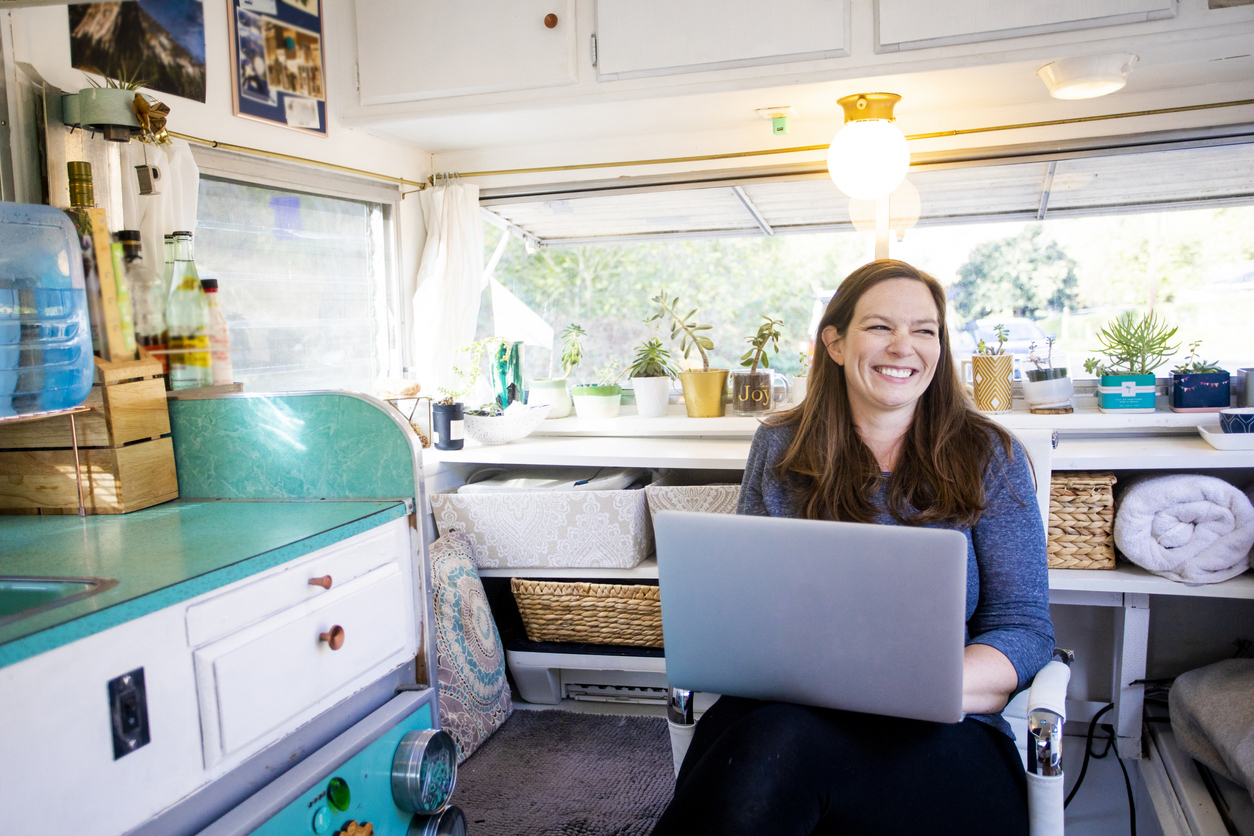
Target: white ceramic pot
(597, 401)
(652, 395)
(551, 391)
(798, 390)
(1048, 393)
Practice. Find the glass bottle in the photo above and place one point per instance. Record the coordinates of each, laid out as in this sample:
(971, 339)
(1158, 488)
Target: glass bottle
(219, 335)
(187, 321)
(122, 293)
(167, 270)
(82, 198)
(148, 295)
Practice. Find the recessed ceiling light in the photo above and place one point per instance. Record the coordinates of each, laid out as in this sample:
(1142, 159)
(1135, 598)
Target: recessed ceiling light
(1087, 76)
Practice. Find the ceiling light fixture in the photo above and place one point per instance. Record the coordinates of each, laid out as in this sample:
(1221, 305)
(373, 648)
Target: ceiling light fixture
(1087, 76)
(869, 156)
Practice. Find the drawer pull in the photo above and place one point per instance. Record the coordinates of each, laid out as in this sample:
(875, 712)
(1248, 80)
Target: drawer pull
(324, 581)
(550, 20)
(334, 638)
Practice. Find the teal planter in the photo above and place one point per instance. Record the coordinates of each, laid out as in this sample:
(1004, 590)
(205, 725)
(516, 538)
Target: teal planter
(1126, 393)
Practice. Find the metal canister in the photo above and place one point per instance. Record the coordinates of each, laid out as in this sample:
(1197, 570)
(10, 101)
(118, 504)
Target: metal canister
(1245, 387)
(82, 192)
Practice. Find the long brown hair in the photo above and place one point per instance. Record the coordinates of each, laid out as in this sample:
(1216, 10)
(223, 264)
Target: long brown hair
(939, 475)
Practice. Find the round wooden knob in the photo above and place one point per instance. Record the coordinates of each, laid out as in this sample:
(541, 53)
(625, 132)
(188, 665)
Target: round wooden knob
(324, 581)
(550, 20)
(334, 638)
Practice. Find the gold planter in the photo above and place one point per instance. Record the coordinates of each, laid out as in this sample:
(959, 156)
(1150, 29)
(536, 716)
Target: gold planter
(703, 392)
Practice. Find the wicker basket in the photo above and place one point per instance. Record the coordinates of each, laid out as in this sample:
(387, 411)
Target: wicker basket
(1081, 520)
(596, 613)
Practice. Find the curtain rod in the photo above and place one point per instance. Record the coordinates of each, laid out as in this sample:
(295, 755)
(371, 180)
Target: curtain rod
(805, 148)
(274, 155)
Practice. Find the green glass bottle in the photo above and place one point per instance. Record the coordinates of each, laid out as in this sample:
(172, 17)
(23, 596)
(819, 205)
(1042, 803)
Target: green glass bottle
(187, 320)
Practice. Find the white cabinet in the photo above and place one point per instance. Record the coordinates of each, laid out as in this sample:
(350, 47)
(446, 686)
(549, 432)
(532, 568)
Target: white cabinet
(259, 678)
(409, 50)
(657, 37)
(914, 24)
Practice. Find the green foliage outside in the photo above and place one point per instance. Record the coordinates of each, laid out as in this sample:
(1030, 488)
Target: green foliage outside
(1024, 275)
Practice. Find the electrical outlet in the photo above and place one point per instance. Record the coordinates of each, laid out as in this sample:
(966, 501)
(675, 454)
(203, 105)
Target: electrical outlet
(128, 712)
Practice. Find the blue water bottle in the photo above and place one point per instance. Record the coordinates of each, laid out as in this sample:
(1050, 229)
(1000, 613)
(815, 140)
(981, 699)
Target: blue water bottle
(45, 341)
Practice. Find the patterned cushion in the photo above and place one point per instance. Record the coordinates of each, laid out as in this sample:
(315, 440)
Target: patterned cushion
(474, 695)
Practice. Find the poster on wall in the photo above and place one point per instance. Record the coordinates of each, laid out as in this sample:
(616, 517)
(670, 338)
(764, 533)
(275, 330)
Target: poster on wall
(157, 44)
(277, 59)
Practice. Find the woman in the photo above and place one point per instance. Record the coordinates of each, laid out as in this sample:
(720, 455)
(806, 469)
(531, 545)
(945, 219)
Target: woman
(886, 435)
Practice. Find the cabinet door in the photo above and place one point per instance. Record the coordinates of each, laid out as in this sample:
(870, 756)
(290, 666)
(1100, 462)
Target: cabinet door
(913, 24)
(428, 49)
(658, 37)
(269, 675)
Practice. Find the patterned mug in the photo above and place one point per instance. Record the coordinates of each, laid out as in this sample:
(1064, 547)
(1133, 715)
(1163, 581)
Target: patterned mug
(991, 376)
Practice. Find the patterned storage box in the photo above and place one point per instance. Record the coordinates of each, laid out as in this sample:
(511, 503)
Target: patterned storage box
(550, 529)
(1081, 520)
(712, 499)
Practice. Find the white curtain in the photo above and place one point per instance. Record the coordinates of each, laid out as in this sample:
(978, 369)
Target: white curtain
(450, 281)
(173, 208)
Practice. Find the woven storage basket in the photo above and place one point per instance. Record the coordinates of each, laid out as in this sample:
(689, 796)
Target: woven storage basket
(1081, 520)
(596, 613)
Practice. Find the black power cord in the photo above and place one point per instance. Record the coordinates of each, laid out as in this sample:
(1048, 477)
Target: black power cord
(1088, 752)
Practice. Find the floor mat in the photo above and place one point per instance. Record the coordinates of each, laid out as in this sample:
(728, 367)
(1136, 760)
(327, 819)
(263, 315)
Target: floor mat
(559, 773)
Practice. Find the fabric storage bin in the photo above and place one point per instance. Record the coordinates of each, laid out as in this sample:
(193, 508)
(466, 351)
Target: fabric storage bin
(711, 499)
(543, 529)
(595, 613)
(1081, 520)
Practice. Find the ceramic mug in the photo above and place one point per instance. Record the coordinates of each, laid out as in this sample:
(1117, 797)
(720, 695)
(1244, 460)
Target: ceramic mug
(990, 376)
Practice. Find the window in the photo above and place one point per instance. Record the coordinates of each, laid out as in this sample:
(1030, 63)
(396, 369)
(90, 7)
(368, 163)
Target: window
(1048, 245)
(305, 279)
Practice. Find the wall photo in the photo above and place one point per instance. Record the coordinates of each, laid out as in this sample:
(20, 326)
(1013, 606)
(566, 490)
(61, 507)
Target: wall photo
(158, 43)
(279, 70)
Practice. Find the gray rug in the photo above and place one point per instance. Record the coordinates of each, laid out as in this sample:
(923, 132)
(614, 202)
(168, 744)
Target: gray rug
(558, 773)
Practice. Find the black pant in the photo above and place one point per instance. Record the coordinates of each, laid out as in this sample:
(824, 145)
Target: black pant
(771, 769)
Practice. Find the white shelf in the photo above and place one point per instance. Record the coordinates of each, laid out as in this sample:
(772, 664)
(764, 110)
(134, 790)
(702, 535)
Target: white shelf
(1125, 578)
(1179, 452)
(645, 571)
(691, 453)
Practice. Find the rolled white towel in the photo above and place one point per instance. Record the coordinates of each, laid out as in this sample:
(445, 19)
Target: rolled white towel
(1188, 528)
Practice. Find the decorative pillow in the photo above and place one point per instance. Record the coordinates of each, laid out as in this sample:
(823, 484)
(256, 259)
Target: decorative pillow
(474, 695)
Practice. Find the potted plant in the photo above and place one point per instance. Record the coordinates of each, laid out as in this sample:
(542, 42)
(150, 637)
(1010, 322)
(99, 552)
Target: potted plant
(753, 392)
(1198, 386)
(651, 373)
(703, 390)
(800, 379)
(1047, 388)
(552, 390)
(601, 399)
(448, 416)
(1133, 349)
(992, 371)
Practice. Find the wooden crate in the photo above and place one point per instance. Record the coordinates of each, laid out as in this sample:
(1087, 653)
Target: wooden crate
(126, 457)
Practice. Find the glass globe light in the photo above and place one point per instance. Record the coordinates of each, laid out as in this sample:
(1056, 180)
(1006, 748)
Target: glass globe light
(869, 156)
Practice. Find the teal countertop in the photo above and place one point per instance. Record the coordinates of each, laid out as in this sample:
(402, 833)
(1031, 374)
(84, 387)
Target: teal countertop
(162, 556)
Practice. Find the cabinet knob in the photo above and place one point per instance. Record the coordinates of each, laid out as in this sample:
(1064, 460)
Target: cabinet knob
(334, 638)
(550, 20)
(324, 581)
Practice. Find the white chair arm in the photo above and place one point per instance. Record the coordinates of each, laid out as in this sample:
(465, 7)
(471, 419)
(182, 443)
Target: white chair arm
(1045, 803)
(1049, 689)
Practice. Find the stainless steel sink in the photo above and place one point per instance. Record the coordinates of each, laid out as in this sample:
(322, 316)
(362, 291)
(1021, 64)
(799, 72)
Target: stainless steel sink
(21, 597)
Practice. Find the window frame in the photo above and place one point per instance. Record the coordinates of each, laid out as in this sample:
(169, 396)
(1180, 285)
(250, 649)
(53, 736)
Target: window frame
(390, 310)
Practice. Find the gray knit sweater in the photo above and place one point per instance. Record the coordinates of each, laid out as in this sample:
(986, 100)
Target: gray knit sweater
(1007, 580)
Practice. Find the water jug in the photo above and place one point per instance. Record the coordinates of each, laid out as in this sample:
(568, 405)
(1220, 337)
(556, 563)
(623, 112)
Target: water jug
(45, 341)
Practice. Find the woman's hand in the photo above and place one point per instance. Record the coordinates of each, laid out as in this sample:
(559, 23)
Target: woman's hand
(988, 679)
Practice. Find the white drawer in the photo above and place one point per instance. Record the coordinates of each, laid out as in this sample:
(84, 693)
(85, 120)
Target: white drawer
(264, 676)
(286, 586)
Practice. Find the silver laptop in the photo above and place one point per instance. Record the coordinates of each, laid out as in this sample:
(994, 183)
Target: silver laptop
(839, 615)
